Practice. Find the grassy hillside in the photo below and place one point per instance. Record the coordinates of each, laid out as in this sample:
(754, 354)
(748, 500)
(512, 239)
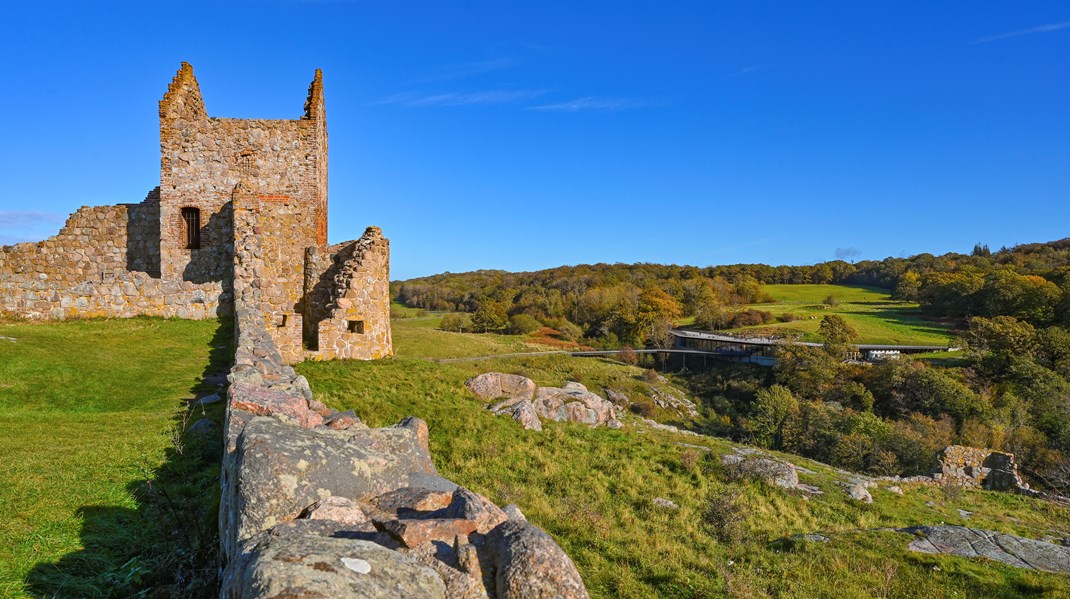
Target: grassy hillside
(870, 310)
(593, 490)
(87, 411)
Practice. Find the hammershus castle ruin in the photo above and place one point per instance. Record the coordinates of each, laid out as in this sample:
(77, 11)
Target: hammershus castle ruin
(173, 255)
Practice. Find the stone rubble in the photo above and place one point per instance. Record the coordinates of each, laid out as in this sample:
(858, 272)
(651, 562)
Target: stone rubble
(972, 467)
(672, 400)
(753, 464)
(859, 492)
(667, 504)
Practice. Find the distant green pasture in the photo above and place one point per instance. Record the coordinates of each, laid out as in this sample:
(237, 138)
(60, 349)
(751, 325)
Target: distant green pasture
(870, 310)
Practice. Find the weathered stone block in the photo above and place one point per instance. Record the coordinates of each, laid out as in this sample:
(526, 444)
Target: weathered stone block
(280, 469)
(289, 562)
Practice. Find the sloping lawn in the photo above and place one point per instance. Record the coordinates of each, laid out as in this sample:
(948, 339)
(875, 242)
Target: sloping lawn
(871, 311)
(87, 414)
(593, 490)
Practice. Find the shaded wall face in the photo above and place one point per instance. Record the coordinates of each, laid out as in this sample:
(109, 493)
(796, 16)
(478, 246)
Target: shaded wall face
(348, 299)
(202, 159)
(143, 236)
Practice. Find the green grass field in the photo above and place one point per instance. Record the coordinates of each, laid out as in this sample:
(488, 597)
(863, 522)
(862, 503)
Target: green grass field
(87, 410)
(870, 310)
(592, 490)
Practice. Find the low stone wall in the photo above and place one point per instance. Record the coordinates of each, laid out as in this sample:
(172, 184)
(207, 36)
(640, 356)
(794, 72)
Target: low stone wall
(316, 504)
(973, 467)
(121, 296)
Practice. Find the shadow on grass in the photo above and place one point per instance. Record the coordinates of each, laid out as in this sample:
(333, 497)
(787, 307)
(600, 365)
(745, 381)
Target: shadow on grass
(168, 546)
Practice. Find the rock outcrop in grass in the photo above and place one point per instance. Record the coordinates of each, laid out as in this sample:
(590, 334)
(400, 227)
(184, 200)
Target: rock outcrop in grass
(1013, 550)
(526, 403)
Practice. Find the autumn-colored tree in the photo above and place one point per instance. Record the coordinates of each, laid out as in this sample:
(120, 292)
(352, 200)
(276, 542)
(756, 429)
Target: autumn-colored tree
(838, 335)
(772, 407)
(522, 324)
(907, 287)
(490, 316)
(994, 343)
(456, 322)
(655, 308)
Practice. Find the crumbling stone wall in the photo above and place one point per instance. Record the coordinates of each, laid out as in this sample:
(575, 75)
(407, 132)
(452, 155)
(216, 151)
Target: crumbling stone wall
(978, 468)
(347, 290)
(103, 262)
(148, 259)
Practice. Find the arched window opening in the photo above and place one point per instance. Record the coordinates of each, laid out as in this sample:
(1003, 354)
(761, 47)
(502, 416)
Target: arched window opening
(191, 221)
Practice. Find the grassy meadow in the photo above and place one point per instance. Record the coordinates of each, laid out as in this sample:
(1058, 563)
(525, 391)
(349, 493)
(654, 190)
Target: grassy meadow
(593, 490)
(870, 310)
(88, 411)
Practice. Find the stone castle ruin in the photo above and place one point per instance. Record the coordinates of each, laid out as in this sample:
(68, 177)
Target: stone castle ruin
(173, 255)
(313, 503)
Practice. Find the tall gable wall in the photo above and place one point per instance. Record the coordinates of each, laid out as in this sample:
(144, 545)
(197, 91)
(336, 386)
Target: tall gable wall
(203, 158)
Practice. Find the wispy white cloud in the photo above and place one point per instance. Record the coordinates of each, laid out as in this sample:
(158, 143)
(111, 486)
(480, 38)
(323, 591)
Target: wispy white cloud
(11, 219)
(1048, 28)
(469, 69)
(499, 96)
(17, 226)
(593, 103)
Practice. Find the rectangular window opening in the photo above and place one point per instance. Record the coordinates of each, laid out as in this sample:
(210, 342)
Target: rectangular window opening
(356, 326)
(191, 223)
(283, 319)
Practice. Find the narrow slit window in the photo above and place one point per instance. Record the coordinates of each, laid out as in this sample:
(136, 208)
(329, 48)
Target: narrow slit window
(356, 326)
(283, 320)
(191, 221)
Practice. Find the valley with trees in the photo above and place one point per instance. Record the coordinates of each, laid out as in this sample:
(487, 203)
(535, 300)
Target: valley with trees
(1008, 310)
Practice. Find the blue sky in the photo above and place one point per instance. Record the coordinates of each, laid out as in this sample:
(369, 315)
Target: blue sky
(525, 135)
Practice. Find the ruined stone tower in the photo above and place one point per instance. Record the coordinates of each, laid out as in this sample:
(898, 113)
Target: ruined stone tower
(203, 158)
(174, 253)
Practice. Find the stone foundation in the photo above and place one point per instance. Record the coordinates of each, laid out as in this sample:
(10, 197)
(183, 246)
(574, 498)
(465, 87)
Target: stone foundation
(972, 467)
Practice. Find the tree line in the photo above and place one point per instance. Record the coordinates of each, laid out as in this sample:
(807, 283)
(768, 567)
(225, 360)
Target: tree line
(613, 304)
